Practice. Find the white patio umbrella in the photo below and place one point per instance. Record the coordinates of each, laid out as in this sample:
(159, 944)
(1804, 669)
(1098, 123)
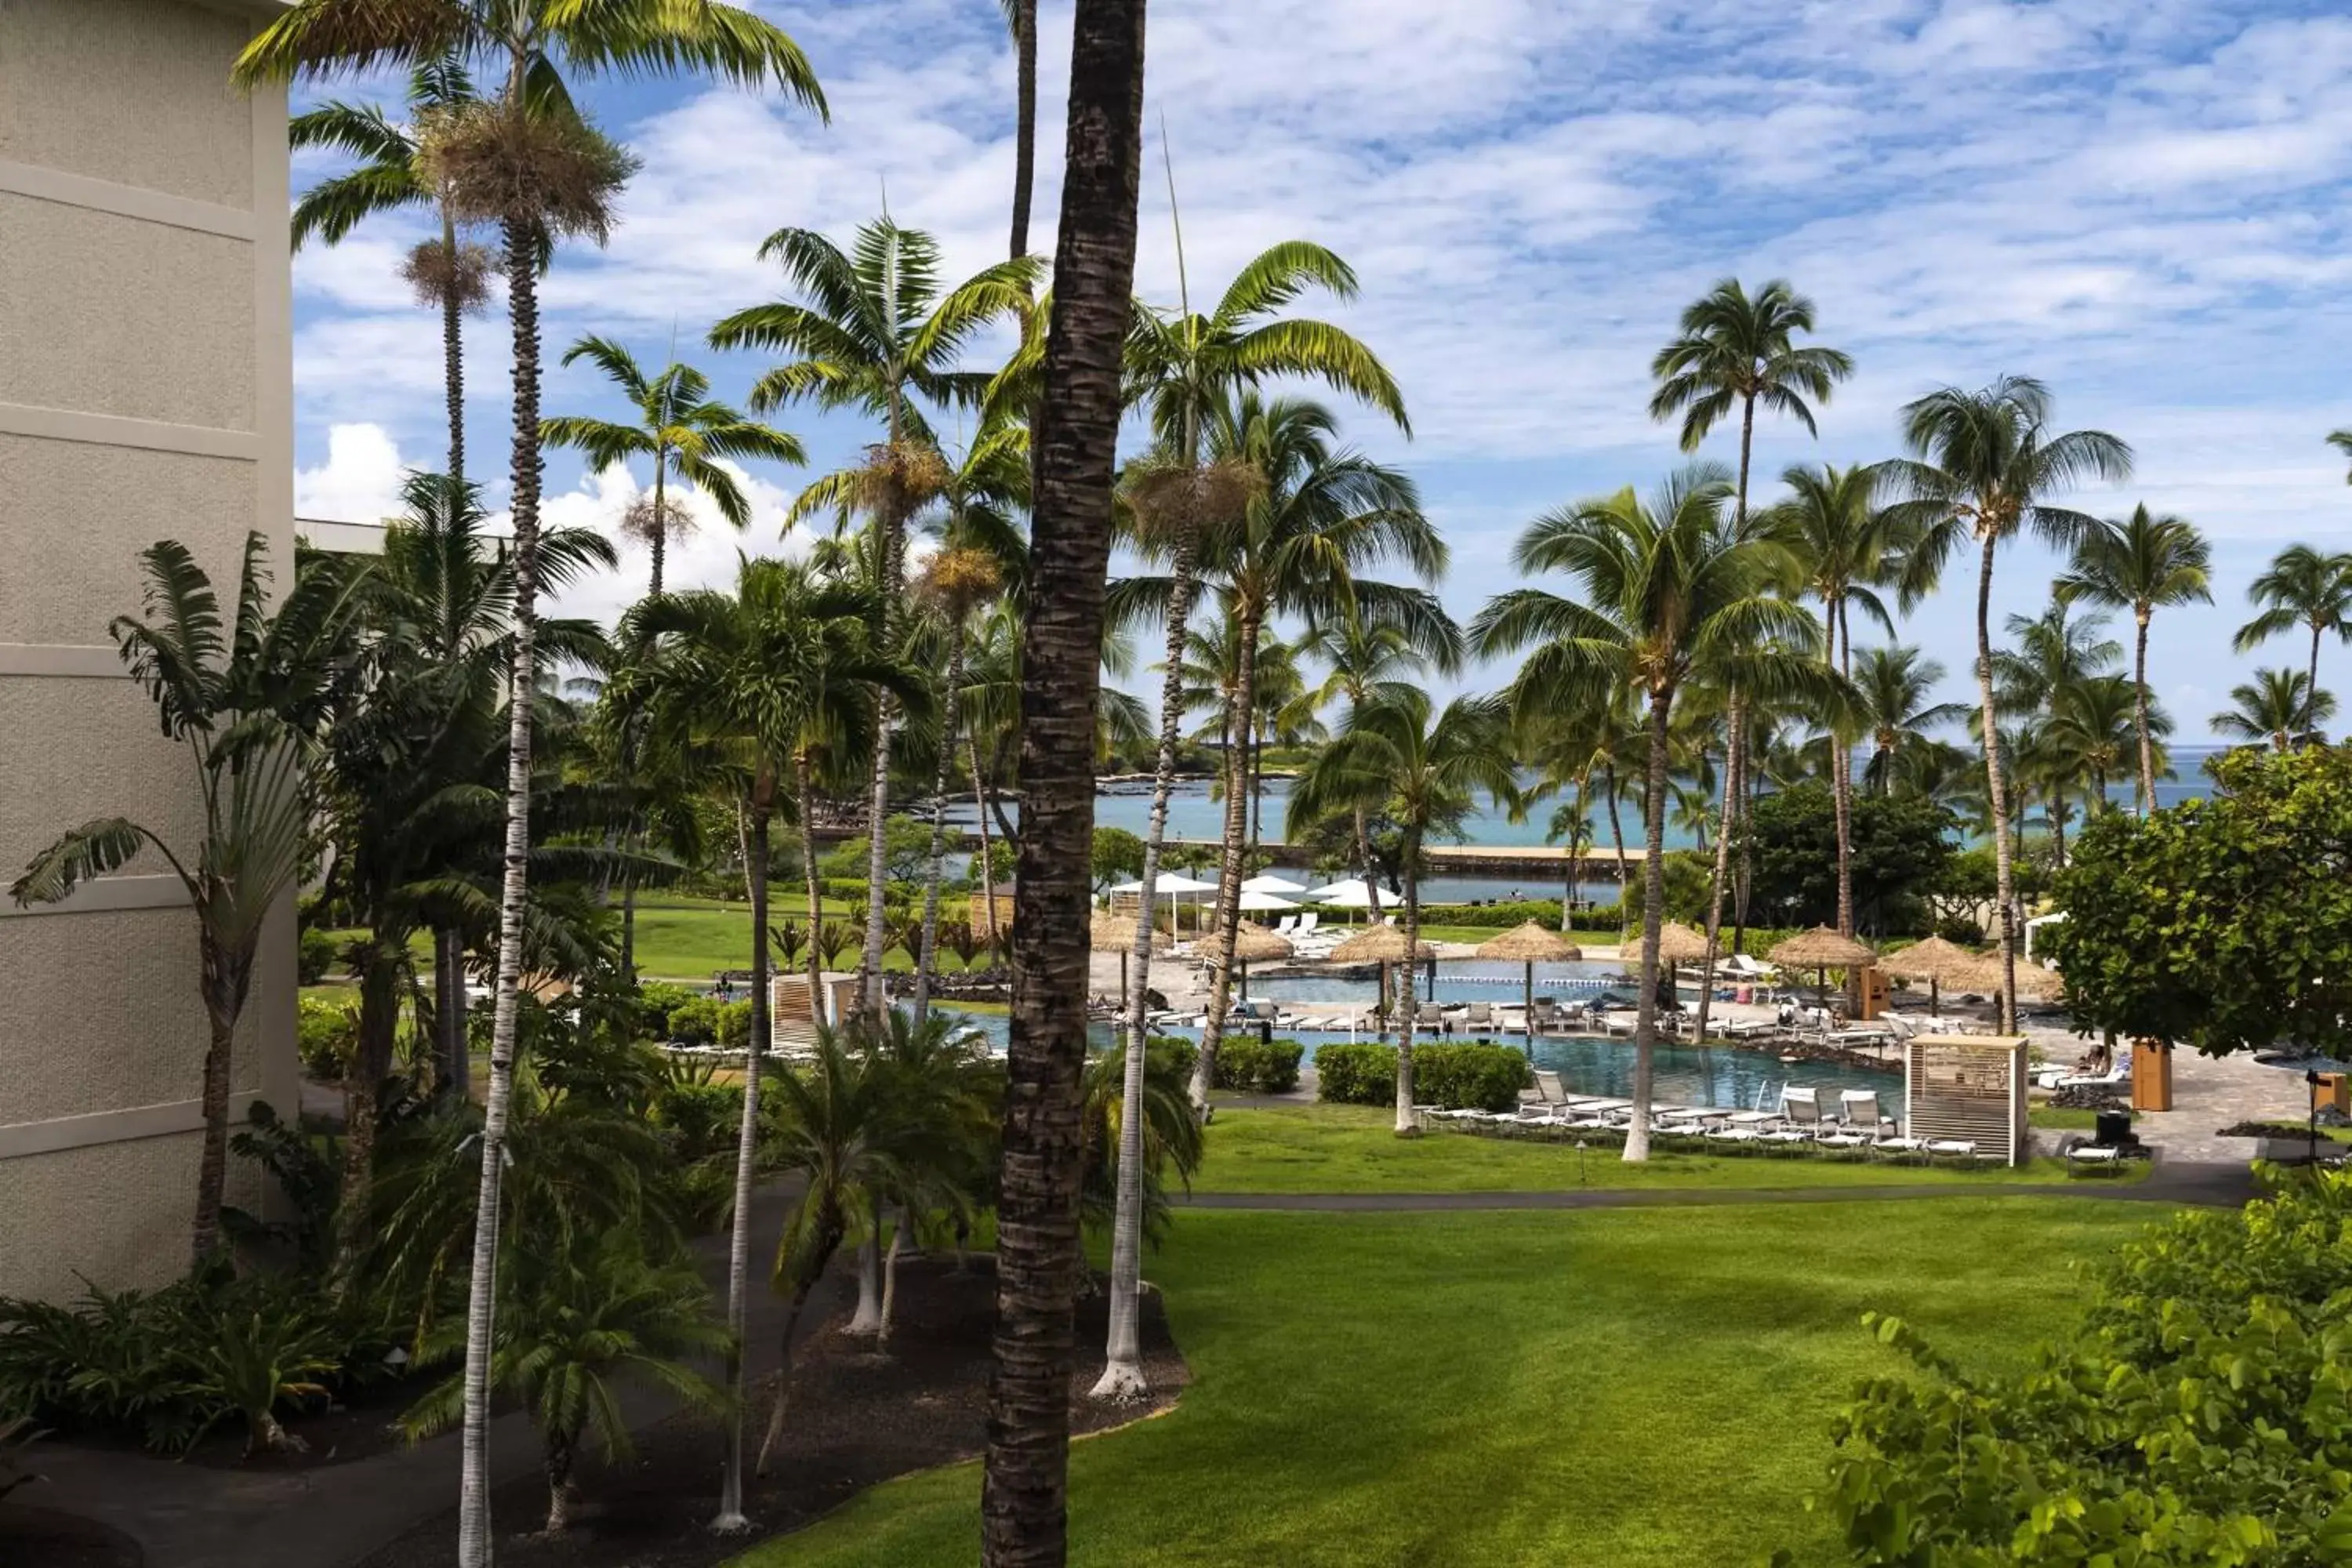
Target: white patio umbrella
(1353, 894)
(1256, 902)
(1279, 885)
(1172, 885)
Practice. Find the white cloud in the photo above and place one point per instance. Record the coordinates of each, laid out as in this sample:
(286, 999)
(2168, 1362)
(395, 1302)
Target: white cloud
(359, 480)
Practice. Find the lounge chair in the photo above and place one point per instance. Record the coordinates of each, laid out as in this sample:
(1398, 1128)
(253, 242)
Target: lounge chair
(1858, 1108)
(1899, 1147)
(2083, 1158)
(1286, 925)
(1307, 923)
(1962, 1148)
(1547, 1084)
(1479, 1016)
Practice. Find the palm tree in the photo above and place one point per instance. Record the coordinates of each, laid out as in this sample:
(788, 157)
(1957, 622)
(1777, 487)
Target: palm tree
(1732, 351)
(1021, 20)
(1425, 770)
(579, 1313)
(1360, 656)
(2302, 587)
(2278, 706)
(2092, 729)
(955, 583)
(448, 273)
(879, 330)
(527, 160)
(1024, 1487)
(1983, 467)
(1671, 589)
(1893, 691)
(2139, 566)
(680, 429)
(743, 679)
(246, 701)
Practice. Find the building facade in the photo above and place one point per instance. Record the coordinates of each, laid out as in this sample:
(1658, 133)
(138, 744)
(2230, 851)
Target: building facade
(145, 394)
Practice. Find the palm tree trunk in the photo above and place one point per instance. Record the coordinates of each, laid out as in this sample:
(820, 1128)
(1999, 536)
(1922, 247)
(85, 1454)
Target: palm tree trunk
(869, 960)
(1616, 828)
(379, 1028)
(1997, 793)
(890, 1282)
(1737, 718)
(868, 1317)
(448, 948)
(775, 1432)
(1407, 1126)
(449, 1010)
(1024, 1489)
(1653, 914)
(558, 1470)
(812, 885)
(1024, 135)
(212, 1165)
(2311, 693)
(730, 1517)
(928, 958)
(522, 304)
(2139, 719)
(629, 730)
(1229, 878)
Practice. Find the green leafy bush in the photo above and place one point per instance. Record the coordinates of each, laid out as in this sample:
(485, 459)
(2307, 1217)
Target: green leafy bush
(315, 954)
(1170, 1055)
(657, 1000)
(695, 1021)
(1469, 1075)
(735, 1025)
(2201, 1414)
(1361, 1073)
(1255, 1067)
(326, 1036)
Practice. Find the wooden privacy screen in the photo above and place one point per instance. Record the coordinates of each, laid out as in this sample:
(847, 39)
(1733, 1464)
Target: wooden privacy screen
(1968, 1087)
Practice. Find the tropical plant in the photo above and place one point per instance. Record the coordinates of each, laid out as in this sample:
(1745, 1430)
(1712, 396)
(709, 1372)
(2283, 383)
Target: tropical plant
(2141, 564)
(246, 701)
(1024, 1485)
(1021, 21)
(1893, 691)
(2092, 729)
(2301, 586)
(2277, 708)
(527, 160)
(955, 583)
(1984, 465)
(578, 1314)
(1423, 770)
(1672, 591)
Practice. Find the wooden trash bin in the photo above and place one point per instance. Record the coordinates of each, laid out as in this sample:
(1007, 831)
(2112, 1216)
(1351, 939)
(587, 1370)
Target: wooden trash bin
(2151, 1074)
(2333, 1091)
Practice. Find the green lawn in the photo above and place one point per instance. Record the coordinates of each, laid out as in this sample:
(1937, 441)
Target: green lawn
(1353, 1149)
(1628, 1388)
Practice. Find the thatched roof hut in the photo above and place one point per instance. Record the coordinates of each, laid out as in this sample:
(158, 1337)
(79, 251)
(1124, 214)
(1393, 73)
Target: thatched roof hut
(1116, 933)
(1821, 948)
(1377, 944)
(1677, 944)
(1934, 959)
(1253, 943)
(997, 899)
(1530, 943)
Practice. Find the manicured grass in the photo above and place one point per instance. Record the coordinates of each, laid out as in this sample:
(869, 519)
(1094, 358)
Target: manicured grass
(1354, 1149)
(2065, 1118)
(1629, 1388)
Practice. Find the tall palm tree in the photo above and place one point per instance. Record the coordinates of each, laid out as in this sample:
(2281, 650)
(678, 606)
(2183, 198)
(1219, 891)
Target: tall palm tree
(1734, 351)
(1021, 21)
(2091, 733)
(450, 273)
(1894, 688)
(2053, 649)
(247, 705)
(1984, 465)
(1024, 1487)
(2141, 564)
(2301, 586)
(1360, 656)
(527, 160)
(680, 429)
(879, 330)
(2277, 707)
(1671, 589)
(741, 676)
(956, 582)
(1425, 768)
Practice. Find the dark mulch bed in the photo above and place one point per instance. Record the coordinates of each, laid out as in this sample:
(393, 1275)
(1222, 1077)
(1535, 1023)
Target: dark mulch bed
(334, 1435)
(853, 1420)
(33, 1535)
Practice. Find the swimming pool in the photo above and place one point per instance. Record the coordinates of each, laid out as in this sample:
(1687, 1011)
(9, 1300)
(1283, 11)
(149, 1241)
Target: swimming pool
(1590, 1064)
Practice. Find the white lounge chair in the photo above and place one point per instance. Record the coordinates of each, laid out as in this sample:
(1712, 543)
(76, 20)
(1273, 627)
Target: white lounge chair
(1307, 923)
(2081, 1157)
(1858, 1108)
(1286, 925)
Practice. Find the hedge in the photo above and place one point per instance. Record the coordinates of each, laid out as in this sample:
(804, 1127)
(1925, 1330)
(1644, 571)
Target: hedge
(1456, 1074)
(1545, 912)
(1257, 1066)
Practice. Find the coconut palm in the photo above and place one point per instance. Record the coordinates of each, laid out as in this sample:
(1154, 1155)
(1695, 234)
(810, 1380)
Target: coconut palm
(1984, 465)
(1024, 1487)
(1424, 770)
(246, 701)
(2342, 441)
(2141, 564)
(527, 160)
(955, 583)
(1021, 21)
(682, 430)
(743, 679)
(1673, 590)
(1893, 688)
(2091, 733)
(448, 273)
(2277, 707)
(2054, 648)
(880, 330)
(1734, 351)
(2301, 586)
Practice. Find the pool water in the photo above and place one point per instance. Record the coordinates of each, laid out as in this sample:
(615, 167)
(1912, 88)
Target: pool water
(1590, 1064)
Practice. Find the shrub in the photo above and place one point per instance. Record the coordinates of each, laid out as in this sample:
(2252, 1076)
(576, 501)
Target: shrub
(1468, 1076)
(1255, 1067)
(1171, 1054)
(2195, 1416)
(735, 1025)
(695, 1021)
(326, 1035)
(1362, 1073)
(657, 1000)
(314, 955)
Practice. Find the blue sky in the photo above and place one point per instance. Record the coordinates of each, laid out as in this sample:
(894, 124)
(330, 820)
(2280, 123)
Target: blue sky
(2138, 201)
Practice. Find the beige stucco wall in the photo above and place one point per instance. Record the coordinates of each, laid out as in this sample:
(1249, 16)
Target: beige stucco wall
(144, 393)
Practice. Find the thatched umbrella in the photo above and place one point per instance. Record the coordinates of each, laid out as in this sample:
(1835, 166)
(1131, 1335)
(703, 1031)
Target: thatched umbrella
(1822, 950)
(1934, 961)
(1115, 933)
(1252, 941)
(1677, 945)
(1532, 944)
(1382, 944)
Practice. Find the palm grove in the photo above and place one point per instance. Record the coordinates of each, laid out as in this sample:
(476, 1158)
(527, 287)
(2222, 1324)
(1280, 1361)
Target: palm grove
(467, 786)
